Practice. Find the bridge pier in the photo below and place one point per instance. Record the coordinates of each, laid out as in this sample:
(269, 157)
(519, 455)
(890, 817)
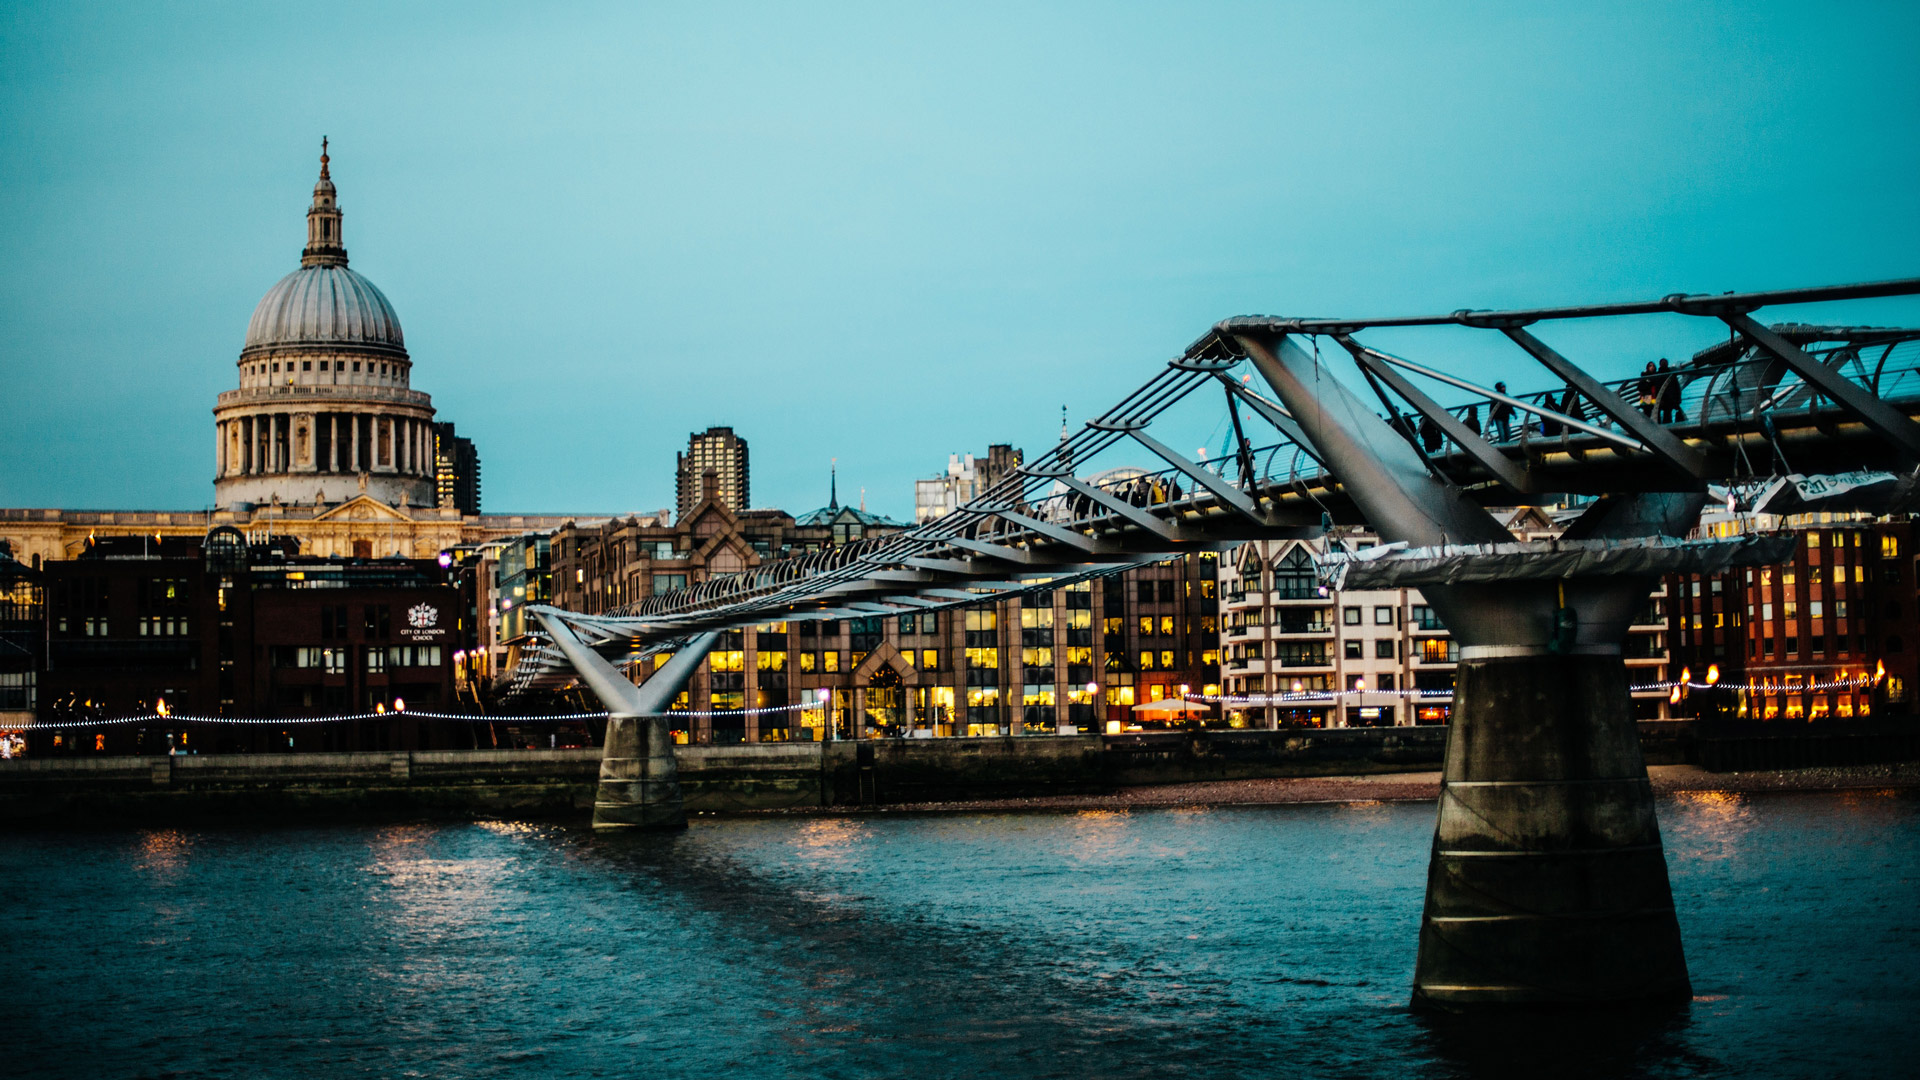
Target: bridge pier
(1547, 884)
(639, 780)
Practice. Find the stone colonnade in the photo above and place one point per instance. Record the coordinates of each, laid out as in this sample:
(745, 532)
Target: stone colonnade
(325, 442)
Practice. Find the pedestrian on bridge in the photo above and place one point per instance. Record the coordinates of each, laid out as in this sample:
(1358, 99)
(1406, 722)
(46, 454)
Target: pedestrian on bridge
(1669, 395)
(1500, 414)
(1430, 434)
(1649, 388)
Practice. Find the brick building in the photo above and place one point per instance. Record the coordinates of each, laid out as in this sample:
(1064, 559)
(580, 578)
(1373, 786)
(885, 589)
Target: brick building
(1808, 636)
(23, 642)
(225, 628)
(1071, 658)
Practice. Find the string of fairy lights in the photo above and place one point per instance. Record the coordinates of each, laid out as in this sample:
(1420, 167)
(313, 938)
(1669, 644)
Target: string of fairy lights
(1675, 688)
(163, 716)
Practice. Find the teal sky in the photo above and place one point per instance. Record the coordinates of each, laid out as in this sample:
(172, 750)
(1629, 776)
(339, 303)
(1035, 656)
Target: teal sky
(886, 232)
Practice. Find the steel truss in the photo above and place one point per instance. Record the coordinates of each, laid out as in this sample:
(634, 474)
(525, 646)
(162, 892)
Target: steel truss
(1771, 400)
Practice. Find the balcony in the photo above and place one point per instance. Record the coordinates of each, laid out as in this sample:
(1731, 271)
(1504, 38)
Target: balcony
(1312, 621)
(319, 394)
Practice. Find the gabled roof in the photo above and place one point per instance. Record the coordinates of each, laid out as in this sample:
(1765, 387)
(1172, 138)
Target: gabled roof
(844, 515)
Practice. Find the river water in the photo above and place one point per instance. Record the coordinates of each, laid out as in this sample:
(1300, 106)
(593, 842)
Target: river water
(1167, 943)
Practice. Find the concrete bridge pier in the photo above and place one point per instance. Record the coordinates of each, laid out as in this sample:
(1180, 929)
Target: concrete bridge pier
(1547, 884)
(639, 781)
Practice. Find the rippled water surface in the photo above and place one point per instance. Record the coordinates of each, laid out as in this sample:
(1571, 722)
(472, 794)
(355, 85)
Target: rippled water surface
(1230, 942)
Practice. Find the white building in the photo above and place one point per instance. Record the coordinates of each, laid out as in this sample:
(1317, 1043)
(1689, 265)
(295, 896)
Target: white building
(1357, 658)
(967, 477)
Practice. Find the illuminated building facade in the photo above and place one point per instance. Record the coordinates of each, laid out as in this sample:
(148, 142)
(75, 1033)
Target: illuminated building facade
(1069, 660)
(720, 453)
(1831, 634)
(456, 471)
(223, 627)
(1295, 654)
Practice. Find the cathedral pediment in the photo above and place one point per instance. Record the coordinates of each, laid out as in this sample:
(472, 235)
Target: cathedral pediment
(363, 508)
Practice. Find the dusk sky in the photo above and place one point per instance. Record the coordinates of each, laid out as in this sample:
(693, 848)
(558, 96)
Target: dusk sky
(886, 233)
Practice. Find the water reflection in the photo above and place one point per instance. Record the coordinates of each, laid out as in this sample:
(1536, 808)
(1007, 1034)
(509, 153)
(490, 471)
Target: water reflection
(1225, 943)
(1574, 1044)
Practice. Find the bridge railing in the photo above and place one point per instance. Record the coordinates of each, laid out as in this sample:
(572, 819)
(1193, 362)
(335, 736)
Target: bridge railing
(1720, 385)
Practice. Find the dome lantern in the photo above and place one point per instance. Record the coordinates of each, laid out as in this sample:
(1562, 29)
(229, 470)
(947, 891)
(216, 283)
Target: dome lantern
(325, 247)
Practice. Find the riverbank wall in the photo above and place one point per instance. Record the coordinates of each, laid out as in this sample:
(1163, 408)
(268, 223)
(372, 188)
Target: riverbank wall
(771, 776)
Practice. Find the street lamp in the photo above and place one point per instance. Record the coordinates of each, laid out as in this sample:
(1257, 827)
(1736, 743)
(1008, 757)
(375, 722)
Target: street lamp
(824, 695)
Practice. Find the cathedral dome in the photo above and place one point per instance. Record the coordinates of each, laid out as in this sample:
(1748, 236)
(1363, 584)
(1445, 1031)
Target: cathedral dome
(325, 305)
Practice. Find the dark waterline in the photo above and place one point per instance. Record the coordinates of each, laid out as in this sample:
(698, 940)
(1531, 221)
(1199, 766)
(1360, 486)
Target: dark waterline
(1232, 942)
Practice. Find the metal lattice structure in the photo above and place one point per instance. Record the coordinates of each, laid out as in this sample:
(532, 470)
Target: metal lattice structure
(1770, 400)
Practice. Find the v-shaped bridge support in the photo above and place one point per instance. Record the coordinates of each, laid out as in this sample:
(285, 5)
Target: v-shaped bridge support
(639, 780)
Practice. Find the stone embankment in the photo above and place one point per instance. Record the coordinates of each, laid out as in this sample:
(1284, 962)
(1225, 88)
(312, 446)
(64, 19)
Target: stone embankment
(1399, 787)
(1157, 769)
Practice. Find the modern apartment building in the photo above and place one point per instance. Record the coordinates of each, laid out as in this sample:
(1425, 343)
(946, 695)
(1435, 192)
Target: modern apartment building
(717, 451)
(1293, 653)
(456, 471)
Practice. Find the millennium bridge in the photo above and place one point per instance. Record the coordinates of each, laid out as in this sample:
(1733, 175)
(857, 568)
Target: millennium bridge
(1547, 882)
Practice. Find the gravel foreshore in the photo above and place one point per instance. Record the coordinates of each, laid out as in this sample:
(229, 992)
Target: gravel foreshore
(1395, 787)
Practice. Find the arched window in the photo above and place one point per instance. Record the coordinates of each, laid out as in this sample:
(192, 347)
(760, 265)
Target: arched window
(1293, 576)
